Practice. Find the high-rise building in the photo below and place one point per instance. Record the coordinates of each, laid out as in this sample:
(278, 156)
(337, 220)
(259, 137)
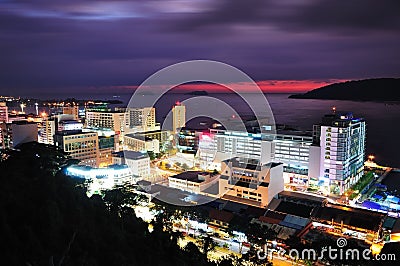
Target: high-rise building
(47, 132)
(3, 112)
(142, 119)
(72, 110)
(178, 117)
(83, 146)
(342, 141)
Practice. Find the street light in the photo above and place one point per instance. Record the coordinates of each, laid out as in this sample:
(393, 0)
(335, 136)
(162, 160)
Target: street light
(371, 157)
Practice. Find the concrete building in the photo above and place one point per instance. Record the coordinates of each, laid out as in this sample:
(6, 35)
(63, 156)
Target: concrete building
(136, 142)
(116, 121)
(139, 162)
(298, 154)
(72, 110)
(249, 181)
(193, 181)
(3, 112)
(342, 141)
(178, 117)
(107, 145)
(23, 132)
(142, 119)
(47, 131)
(188, 140)
(83, 146)
(69, 125)
(163, 137)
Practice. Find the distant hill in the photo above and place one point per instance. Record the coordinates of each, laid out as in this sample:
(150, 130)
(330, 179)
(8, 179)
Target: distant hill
(381, 89)
(197, 93)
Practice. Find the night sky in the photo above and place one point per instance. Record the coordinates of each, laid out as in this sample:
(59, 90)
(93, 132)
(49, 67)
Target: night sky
(50, 47)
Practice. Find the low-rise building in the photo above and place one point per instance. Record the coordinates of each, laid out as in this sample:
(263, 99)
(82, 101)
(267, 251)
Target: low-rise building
(139, 162)
(193, 181)
(250, 182)
(136, 142)
(101, 178)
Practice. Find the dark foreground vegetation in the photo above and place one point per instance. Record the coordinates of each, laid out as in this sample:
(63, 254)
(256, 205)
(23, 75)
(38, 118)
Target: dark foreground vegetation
(47, 219)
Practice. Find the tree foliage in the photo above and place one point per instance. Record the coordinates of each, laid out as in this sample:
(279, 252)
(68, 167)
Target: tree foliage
(47, 219)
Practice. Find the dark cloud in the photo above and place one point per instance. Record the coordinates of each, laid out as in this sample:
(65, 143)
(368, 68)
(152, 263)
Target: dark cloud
(53, 45)
(304, 16)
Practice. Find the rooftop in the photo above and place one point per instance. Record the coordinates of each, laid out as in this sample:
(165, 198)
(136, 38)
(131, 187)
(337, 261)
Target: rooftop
(301, 196)
(354, 217)
(222, 216)
(133, 155)
(192, 176)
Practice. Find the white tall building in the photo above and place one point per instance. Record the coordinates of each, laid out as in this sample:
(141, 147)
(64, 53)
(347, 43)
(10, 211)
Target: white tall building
(342, 140)
(178, 116)
(47, 132)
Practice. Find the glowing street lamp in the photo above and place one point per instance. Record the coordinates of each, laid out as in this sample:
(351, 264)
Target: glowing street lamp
(371, 157)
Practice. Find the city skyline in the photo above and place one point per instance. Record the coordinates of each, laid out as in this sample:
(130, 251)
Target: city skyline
(58, 47)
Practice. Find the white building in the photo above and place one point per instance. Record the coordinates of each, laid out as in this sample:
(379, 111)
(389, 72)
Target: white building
(342, 140)
(47, 132)
(115, 121)
(139, 162)
(135, 142)
(299, 156)
(193, 181)
(101, 178)
(178, 117)
(250, 182)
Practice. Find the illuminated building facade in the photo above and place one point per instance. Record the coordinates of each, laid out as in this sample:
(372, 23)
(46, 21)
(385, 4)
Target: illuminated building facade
(139, 162)
(3, 112)
(178, 117)
(115, 121)
(342, 140)
(101, 178)
(83, 146)
(250, 182)
(142, 119)
(47, 131)
(72, 110)
(135, 142)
